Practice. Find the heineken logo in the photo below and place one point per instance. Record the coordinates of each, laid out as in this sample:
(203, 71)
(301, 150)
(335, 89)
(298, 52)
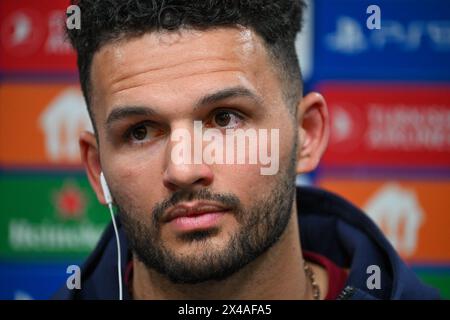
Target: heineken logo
(70, 201)
(56, 220)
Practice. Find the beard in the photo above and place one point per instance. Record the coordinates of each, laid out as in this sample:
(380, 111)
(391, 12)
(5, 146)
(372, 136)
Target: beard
(260, 226)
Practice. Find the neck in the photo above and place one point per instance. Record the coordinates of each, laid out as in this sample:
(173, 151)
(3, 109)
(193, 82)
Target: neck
(276, 274)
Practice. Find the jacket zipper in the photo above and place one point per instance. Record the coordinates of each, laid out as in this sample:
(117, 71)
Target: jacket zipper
(346, 294)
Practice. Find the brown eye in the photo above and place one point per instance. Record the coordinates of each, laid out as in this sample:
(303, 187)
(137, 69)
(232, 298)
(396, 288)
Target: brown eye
(226, 119)
(139, 133)
(222, 119)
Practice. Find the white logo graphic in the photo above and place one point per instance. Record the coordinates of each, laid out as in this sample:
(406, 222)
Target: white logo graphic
(22, 29)
(342, 125)
(62, 121)
(348, 37)
(397, 211)
(348, 125)
(22, 32)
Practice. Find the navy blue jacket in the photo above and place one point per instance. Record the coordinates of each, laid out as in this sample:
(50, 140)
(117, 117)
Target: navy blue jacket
(329, 226)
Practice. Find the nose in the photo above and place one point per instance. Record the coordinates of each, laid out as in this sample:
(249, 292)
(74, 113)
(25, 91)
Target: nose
(183, 170)
(187, 176)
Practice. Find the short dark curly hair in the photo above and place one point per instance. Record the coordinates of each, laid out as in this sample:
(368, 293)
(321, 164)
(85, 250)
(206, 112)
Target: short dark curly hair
(277, 22)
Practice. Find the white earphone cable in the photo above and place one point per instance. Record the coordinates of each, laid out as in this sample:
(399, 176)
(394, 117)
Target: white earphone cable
(119, 265)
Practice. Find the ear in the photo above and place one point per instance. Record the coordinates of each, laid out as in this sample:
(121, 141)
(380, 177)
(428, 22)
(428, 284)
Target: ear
(91, 161)
(313, 131)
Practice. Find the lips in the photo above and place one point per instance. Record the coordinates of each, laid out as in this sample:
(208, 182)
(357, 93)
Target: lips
(194, 216)
(192, 210)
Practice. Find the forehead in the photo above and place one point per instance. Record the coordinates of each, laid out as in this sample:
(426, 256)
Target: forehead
(153, 65)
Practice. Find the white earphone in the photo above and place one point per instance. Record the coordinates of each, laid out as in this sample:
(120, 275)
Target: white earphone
(109, 202)
(105, 188)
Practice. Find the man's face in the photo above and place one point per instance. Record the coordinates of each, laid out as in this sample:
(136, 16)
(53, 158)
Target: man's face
(146, 88)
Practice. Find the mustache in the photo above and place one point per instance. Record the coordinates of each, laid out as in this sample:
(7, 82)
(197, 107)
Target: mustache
(228, 200)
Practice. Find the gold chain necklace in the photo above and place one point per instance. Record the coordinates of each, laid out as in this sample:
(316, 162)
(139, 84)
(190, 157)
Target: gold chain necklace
(312, 278)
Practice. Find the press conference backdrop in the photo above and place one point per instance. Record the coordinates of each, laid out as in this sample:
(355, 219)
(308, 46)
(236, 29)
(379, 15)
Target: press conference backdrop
(388, 91)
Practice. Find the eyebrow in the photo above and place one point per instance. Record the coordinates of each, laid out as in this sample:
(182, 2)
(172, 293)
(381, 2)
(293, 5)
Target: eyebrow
(124, 112)
(127, 112)
(228, 93)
